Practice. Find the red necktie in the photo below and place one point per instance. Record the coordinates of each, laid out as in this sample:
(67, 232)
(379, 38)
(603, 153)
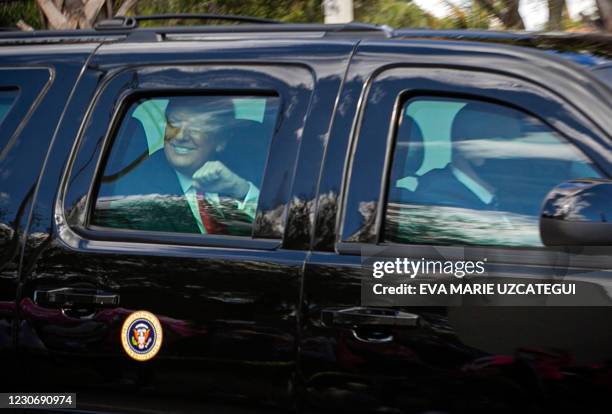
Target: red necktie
(209, 216)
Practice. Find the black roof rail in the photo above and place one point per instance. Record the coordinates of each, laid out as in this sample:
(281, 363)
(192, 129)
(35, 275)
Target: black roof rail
(194, 16)
(595, 43)
(117, 22)
(131, 22)
(125, 28)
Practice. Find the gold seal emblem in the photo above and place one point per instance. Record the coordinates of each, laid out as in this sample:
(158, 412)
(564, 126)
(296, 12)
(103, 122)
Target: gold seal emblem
(141, 335)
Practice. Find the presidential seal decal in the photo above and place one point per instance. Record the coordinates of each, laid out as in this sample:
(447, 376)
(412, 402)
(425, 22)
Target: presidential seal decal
(141, 335)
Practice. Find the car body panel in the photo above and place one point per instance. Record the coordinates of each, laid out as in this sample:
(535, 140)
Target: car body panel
(228, 305)
(45, 77)
(243, 317)
(460, 359)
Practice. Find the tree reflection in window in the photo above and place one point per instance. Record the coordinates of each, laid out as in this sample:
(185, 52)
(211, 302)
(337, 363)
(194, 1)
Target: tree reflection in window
(469, 172)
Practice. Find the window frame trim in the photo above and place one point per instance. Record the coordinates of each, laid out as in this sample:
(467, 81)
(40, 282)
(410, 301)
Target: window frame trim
(9, 88)
(70, 220)
(404, 98)
(453, 85)
(107, 233)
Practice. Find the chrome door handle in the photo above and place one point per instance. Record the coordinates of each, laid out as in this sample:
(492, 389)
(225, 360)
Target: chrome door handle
(364, 316)
(74, 297)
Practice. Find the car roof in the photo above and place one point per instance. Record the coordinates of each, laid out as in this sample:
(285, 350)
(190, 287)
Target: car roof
(127, 28)
(586, 49)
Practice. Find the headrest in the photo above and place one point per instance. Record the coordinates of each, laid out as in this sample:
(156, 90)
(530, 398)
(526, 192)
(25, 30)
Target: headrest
(479, 120)
(246, 129)
(130, 145)
(246, 151)
(409, 149)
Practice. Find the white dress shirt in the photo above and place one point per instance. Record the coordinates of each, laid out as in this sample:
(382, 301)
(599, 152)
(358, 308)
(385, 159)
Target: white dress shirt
(247, 205)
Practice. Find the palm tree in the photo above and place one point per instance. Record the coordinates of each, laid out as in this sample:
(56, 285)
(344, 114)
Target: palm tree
(79, 14)
(605, 14)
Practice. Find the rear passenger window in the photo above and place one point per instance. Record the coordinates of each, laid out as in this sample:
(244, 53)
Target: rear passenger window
(187, 164)
(474, 173)
(7, 99)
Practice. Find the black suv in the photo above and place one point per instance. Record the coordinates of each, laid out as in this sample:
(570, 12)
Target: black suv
(228, 179)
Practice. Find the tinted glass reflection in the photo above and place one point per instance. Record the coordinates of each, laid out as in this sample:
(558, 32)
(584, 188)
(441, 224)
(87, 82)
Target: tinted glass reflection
(190, 164)
(471, 172)
(7, 99)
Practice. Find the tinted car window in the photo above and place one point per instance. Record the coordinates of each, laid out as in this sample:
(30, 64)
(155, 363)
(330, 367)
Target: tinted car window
(188, 164)
(471, 172)
(7, 99)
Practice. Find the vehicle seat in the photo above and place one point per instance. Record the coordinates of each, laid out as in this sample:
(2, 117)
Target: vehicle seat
(515, 178)
(130, 147)
(247, 149)
(408, 159)
(129, 151)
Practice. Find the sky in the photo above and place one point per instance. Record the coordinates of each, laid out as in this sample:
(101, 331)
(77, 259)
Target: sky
(534, 12)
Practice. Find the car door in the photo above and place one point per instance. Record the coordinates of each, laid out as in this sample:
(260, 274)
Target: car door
(33, 79)
(389, 190)
(227, 304)
(19, 89)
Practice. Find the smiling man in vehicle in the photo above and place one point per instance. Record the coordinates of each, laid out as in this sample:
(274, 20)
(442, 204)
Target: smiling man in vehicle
(188, 186)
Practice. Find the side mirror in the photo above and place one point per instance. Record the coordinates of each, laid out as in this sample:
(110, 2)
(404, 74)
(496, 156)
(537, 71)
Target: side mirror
(578, 213)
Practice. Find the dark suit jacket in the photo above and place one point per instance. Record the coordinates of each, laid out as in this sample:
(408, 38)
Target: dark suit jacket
(439, 187)
(150, 198)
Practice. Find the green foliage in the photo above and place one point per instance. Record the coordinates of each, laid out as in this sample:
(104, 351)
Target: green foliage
(26, 10)
(395, 13)
(466, 14)
(284, 10)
